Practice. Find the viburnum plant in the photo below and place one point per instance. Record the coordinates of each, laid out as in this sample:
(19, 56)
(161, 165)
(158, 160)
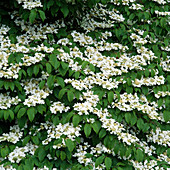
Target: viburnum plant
(84, 84)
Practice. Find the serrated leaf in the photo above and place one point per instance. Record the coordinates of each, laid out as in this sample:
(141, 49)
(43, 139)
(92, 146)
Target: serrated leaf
(139, 155)
(108, 162)
(21, 113)
(36, 70)
(160, 102)
(133, 119)
(166, 115)
(35, 140)
(102, 133)
(62, 155)
(48, 68)
(87, 130)
(60, 81)
(70, 96)
(110, 96)
(42, 83)
(41, 154)
(96, 126)
(128, 117)
(70, 144)
(26, 140)
(32, 16)
(31, 113)
(99, 160)
(42, 15)
(11, 114)
(50, 81)
(76, 120)
(6, 114)
(65, 10)
(140, 123)
(61, 93)
(54, 62)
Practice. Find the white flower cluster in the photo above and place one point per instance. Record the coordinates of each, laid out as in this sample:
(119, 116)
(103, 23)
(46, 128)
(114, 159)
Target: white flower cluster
(55, 132)
(20, 152)
(162, 13)
(6, 101)
(136, 7)
(165, 64)
(146, 165)
(160, 137)
(99, 11)
(122, 2)
(7, 167)
(58, 107)
(160, 1)
(30, 4)
(37, 95)
(88, 105)
(162, 94)
(13, 136)
(150, 81)
(80, 154)
(164, 157)
(129, 102)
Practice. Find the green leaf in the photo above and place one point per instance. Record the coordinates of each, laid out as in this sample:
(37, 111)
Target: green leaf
(139, 155)
(128, 117)
(65, 10)
(4, 151)
(62, 155)
(160, 102)
(42, 83)
(87, 130)
(48, 68)
(166, 115)
(77, 74)
(41, 154)
(60, 81)
(96, 126)
(6, 114)
(140, 123)
(108, 162)
(11, 114)
(102, 133)
(70, 95)
(76, 120)
(21, 113)
(35, 140)
(26, 140)
(61, 93)
(31, 113)
(42, 15)
(50, 81)
(11, 86)
(36, 70)
(147, 73)
(54, 62)
(99, 160)
(70, 144)
(133, 119)
(32, 16)
(129, 82)
(168, 152)
(110, 96)
(145, 90)
(41, 108)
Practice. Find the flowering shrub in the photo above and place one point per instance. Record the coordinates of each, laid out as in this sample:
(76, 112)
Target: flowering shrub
(84, 84)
